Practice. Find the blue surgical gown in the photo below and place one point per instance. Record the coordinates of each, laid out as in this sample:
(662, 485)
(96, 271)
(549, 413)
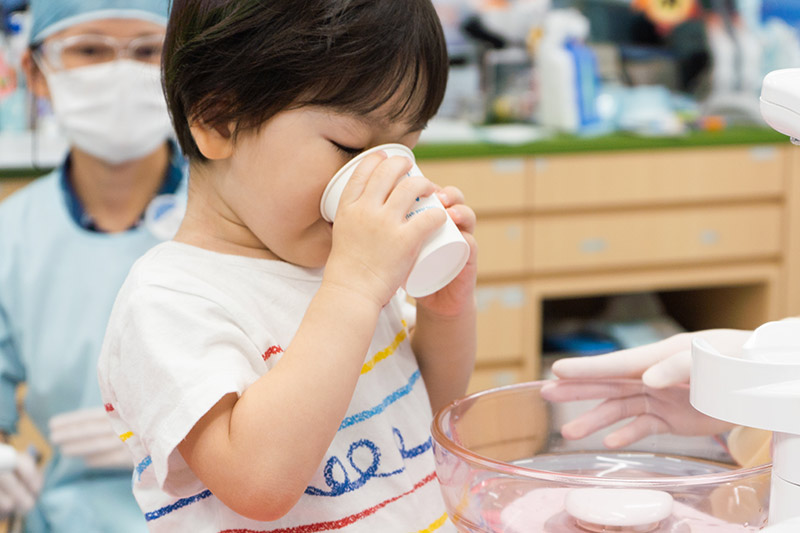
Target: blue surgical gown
(58, 283)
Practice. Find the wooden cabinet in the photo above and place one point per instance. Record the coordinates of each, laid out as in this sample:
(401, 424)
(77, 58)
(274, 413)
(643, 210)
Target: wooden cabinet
(660, 177)
(653, 237)
(715, 230)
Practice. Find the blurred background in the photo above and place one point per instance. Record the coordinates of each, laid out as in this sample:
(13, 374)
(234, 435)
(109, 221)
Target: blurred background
(625, 183)
(651, 67)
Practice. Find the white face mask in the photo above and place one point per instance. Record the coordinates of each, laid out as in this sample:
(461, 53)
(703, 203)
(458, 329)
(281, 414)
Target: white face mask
(114, 111)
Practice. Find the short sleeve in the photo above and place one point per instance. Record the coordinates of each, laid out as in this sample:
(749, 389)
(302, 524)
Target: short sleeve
(169, 356)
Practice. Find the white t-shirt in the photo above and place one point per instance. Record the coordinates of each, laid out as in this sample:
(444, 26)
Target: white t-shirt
(190, 326)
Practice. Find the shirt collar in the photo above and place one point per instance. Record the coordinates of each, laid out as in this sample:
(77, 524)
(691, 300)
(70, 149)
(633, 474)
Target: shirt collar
(172, 181)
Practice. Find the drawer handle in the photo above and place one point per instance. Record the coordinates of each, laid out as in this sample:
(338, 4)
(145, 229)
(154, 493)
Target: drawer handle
(709, 237)
(513, 233)
(593, 245)
(507, 166)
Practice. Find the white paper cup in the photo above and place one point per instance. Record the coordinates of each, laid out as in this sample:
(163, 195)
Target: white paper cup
(445, 252)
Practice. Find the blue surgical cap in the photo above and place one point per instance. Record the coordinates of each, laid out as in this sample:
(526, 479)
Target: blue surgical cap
(52, 16)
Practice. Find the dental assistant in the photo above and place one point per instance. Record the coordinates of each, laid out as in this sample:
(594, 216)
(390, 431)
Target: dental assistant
(67, 242)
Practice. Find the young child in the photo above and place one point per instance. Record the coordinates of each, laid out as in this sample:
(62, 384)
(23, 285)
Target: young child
(258, 366)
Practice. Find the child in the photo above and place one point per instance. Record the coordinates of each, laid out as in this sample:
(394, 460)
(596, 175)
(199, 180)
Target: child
(258, 366)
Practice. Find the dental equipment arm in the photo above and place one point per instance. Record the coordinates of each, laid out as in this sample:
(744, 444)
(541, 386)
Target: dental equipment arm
(780, 102)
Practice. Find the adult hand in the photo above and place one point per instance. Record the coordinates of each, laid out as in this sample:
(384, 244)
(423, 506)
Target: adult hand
(654, 411)
(659, 403)
(660, 364)
(87, 434)
(20, 482)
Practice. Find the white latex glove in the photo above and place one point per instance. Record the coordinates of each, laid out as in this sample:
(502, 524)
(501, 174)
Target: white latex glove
(659, 365)
(20, 482)
(88, 434)
(654, 411)
(657, 404)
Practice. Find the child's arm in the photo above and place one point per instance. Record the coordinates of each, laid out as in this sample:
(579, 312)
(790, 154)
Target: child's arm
(257, 453)
(444, 338)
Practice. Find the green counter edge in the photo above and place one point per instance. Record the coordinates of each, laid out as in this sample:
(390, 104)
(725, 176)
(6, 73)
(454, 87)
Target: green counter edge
(562, 144)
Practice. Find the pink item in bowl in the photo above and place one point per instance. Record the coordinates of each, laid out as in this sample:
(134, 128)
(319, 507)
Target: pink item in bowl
(504, 468)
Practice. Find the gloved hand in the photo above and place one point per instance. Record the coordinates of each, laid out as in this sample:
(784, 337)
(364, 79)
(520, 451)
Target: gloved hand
(660, 364)
(665, 410)
(20, 482)
(87, 433)
(657, 404)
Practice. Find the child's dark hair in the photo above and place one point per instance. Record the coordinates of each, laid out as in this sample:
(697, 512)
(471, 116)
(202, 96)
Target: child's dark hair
(242, 61)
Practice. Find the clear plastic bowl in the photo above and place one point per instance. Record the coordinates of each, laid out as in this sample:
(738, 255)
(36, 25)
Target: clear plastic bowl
(504, 467)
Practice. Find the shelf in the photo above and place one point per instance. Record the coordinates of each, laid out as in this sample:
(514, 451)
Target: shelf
(16, 149)
(23, 154)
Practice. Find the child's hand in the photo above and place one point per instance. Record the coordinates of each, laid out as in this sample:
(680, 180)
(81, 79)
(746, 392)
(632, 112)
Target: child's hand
(459, 293)
(374, 246)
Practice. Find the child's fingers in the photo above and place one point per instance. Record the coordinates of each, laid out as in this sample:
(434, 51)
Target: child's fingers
(358, 181)
(384, 178)
(424, 223)
(463, 216)
(408, 192)
(450, 196)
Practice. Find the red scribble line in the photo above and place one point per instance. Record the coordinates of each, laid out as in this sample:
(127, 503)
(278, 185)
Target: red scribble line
(342, 522)
(108, 407)
(272, 350)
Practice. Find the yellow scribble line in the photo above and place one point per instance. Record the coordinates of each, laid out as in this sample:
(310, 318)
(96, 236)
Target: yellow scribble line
(126, 436)
(386, 352)
(435, 525)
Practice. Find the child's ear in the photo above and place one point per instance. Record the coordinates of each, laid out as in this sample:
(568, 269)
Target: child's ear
(214, 142)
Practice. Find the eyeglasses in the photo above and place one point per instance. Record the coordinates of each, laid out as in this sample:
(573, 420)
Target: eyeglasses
(86, 50)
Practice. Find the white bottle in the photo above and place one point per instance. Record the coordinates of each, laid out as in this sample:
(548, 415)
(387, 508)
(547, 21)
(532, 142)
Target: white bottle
(566, 94)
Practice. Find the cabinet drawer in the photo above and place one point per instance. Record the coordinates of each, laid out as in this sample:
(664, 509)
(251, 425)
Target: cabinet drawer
(494, 185)
(500, 323)
(664, 236)
(657, 177)
(500, 245)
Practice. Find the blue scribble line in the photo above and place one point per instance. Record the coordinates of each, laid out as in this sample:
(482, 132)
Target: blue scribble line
(141, 467)
(334, 467)
(183, 502)
(381, 407)
(337, 487)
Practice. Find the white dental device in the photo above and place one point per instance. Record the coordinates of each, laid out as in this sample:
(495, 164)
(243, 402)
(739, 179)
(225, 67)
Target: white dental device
(760, 387)
(780, 102)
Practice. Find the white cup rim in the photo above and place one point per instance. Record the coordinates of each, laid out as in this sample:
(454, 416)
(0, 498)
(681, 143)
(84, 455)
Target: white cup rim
(357, 159)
